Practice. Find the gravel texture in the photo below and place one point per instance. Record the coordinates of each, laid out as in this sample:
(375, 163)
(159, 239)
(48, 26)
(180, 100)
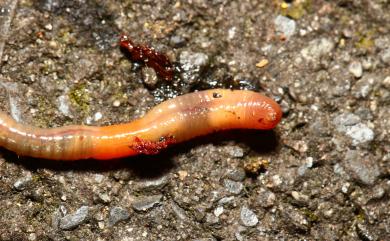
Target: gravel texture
(322, 174)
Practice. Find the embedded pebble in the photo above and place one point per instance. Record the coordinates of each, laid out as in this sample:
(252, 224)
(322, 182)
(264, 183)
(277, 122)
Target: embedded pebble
(226, 200)
(385, 56)
(218, 211)
(345, 188)
(237, 174)
(147, 202)
(386, 82)
(285, 25)
(248, 217)
(367, 63)
(102, 198)
(149, 77)
(73, 220)
(350, 125)
(363, 88)
(232, 186)
(363, 167)
(116, 103)
(23, 182)
(211, 219)
(356, 69)
(235, 151)
(180, 213)
(285, 106)
(63, 104)
(305, 166)
(317, 48)
(266, 198)
(97, 116)
(299, 196)
(192, 65)
(152, 184)
(177, 41)
(117, 214)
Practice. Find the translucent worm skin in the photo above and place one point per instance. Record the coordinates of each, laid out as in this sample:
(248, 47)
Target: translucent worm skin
(172, 121)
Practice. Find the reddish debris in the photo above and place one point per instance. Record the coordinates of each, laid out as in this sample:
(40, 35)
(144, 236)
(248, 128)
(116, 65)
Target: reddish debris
(158, 61)
(152, 147)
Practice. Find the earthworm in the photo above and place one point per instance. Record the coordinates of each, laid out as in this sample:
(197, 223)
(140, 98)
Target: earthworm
(172, 121)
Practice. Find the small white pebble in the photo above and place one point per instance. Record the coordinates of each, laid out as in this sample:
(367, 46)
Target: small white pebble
(97, 116)
(356, 69)
(49, 27)
(218, 211)
(345, 187)
(116, 103)
(101, 224)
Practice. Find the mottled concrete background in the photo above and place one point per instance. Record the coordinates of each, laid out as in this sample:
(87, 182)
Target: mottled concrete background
(323, 174)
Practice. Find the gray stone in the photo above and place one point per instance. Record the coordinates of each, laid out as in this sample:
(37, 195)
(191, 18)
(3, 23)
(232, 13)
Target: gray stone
(285, 25)
(117, 214)
(23, 182)
(248, 217)
(317, 48)
(226, 200)
(385, 56)
(360, 133)
(265, 198)
(235, 151)
(367, 63)
(305, 166)
(218, 211)
(179, 212)
(363, 87)
(177, 41)
(102, 198)
(361, 166)
(211, 218)
(386, 82)
(350, 125)
(147, 202)
(301, 198)
(192, 65)
(149, 77)
(364, 113)
(73, 220)
(382, 42)
(55, 219)
(232, 186)
(356, 69)
(152, 184)
(285, 106)
(237, 174)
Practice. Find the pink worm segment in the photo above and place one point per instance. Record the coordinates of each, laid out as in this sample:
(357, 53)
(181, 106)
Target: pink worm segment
(172, 121)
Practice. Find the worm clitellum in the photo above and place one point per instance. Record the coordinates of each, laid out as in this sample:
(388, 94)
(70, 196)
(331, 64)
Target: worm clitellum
(172, 121)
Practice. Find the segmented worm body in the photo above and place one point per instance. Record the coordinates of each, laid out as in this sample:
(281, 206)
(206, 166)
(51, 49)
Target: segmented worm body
(172, 121)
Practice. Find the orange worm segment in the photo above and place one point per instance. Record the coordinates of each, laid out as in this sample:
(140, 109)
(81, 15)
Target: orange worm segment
(172, 121)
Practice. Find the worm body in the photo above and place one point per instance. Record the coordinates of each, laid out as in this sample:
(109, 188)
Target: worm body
(172, 121)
